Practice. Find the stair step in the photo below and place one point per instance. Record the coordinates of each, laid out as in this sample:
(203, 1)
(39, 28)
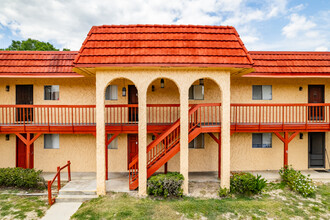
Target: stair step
(77, 192)
(74, 198)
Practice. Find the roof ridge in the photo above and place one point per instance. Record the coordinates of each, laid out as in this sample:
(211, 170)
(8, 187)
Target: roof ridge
(165, 26)
(290, 52)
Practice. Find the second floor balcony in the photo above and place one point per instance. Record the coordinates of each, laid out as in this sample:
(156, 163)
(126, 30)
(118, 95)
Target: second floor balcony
(125, 117)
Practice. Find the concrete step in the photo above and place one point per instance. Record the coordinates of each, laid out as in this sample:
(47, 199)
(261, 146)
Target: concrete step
(74, 198)
(76, 192)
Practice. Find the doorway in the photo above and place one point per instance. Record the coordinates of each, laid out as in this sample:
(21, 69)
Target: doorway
(133, 147)
(24, 96)
(21, 153)
(315, 95)
(133, 99)
(316, 149)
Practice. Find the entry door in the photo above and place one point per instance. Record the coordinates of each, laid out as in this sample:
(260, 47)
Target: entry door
(316, 149)
(24, 96)
(316, 95)
(132, 99)
(21, 153)
(133, 147)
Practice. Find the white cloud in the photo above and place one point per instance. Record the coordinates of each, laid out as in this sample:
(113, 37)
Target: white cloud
(321, 48)
(1, 36)
(298, 24)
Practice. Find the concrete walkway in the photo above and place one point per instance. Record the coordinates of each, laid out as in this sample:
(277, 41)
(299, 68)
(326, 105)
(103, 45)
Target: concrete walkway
(62, 211)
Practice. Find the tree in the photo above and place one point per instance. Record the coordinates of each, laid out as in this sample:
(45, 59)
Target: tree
(31, 44)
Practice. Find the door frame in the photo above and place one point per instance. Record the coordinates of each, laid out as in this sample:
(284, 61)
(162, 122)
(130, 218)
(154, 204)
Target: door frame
(321, 86)
(323, 150)
(31, 152)
(128, 147)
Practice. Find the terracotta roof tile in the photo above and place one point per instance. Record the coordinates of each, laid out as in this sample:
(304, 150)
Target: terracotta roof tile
(37, 64)
(290, 64)
(163, 45)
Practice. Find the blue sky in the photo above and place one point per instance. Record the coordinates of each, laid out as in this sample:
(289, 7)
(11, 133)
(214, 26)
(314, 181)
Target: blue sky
(263, 25)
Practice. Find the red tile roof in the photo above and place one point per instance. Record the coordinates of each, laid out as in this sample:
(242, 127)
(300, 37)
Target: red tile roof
(290, 64)
(37, 64)
(163, 45)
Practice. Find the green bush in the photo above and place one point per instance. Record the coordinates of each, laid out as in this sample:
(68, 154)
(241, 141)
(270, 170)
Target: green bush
(223, 192)
(297, 181)
(19, 177)
(246, 183)
(166, 185)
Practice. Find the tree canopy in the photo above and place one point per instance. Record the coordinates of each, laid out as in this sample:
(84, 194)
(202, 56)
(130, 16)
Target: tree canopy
(31, 44)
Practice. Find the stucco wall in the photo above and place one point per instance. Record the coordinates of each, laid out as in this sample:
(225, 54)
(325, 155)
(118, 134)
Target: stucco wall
(7, 151)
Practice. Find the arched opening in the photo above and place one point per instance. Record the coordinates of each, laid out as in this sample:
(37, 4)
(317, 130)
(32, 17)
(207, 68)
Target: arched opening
(204, 129)
(121, 113)
(163, 110)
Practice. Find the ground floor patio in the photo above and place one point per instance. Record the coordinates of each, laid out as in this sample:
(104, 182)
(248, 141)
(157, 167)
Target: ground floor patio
(201, 184)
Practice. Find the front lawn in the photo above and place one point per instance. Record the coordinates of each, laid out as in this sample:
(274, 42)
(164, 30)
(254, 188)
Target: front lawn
(277, 202)
(13, 206)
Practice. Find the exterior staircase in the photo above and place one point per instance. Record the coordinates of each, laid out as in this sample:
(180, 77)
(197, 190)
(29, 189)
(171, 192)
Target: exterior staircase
(77, 191)
(164, 147)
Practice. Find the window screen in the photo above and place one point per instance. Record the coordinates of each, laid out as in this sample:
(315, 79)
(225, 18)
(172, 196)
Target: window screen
(51, 141)
(111, 93)
(198, 142)
(196, 92)
(262, 92)
(262, 140)
(114, 142)
(52, 92)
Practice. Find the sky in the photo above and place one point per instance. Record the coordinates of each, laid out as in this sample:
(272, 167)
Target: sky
(273, 25)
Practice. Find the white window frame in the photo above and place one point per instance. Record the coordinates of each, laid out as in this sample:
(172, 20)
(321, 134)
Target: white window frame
(193, 92)
(54, 92)
(193, 143)
(111, 92)
(263, 90)
(114, 143)
(264, 142)
(51, 141)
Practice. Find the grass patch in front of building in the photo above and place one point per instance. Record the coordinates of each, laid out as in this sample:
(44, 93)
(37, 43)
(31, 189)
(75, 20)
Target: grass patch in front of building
(278, 201)
(14, 206)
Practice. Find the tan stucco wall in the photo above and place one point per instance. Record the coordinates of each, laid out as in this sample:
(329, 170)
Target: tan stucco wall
(79, 149)
(117, 158)
(74, 91)
(7, 151)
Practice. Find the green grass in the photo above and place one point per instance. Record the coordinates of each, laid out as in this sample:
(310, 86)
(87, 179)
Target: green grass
(277, 202)
(22, 207)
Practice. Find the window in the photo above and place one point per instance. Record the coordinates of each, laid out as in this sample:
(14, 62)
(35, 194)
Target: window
(51, 141)
(114, 142)
(261, 92)
(52, 92)
(262, 140)
(198, 142)
(111, 93)
(196, 92)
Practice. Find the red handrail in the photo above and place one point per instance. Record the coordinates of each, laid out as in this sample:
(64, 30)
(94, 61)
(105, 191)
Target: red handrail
(51, 200)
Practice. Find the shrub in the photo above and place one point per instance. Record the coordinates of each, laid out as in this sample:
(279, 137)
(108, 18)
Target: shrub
(297, 181)
(19, 177)
(223, 192)
(166, 185)
(246, 183)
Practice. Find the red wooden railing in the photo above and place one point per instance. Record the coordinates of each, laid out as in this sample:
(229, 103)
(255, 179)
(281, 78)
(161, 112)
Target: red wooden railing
(280, 113)
(160, 147)
(51, 200)
(47, 115)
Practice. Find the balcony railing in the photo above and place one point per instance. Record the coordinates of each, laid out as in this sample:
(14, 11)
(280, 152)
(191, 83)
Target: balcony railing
(207, 115)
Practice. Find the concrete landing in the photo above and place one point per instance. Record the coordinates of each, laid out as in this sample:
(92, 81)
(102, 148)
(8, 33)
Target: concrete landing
(61, 211)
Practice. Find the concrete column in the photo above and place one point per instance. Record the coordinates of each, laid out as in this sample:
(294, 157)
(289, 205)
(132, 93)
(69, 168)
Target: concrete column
(100, 136)
(184, 150)
(225, 132)
(142, 96)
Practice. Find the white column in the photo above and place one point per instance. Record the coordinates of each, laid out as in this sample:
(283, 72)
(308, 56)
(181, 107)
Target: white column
(100, 137)
(225, 133)
(142, 96)
(184, 160)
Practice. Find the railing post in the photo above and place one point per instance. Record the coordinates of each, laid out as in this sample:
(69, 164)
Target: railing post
(69, 171)
(59, 178)
(50, 202)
